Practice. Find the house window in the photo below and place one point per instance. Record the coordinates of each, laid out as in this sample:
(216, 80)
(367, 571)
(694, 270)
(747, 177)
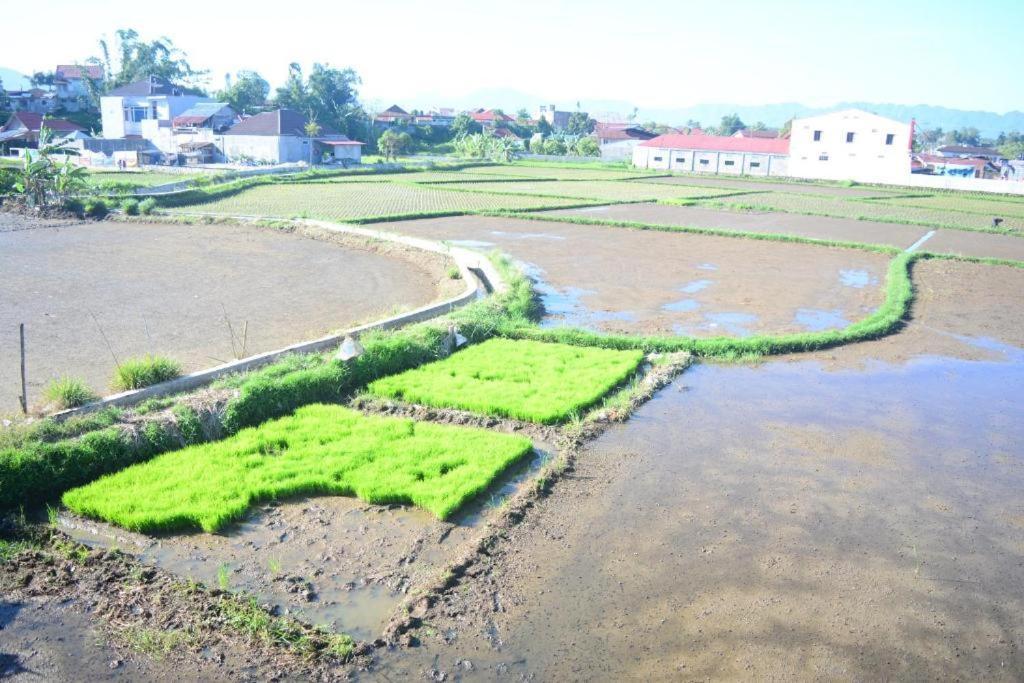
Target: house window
(136, 114)
(730, 162)
(704, 162)
(657, 158)
(849, 137)
(817, 136)
(680, 160)
(755, 164)
(889, 138)
(822, 157)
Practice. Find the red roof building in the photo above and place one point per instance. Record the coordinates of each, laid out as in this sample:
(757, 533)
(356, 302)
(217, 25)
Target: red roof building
(23, 128)
(490, 117)
(714, 154)
(720, 143)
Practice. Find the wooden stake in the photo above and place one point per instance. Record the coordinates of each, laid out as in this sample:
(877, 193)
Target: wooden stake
(24, 390)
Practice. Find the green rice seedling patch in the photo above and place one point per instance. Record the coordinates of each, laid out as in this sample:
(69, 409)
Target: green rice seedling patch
(989, 207)
(102, 179)
(598, 190)
(861, 209)
(319, 450)
(523, 380)
(347, 201)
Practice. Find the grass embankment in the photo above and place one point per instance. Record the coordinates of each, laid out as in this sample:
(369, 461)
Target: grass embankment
(320, 449)
(545, 383)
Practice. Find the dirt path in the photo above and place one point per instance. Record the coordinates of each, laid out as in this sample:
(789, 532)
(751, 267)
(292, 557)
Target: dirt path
(774, 522)
(164, 288)
(628, 281)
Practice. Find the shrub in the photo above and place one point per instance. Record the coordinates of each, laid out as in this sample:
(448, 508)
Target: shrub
(130, 207)
(137, 373)
(69, 392)
(95, 208)
(454, 273)
(75, 206)
(147, 206)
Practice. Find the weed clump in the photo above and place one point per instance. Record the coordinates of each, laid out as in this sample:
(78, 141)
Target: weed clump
(69, 392)
(146, 206)
(137, 373)
(130, 207)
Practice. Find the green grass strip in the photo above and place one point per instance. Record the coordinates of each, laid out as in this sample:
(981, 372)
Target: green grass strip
(545, 383)
(321, 449)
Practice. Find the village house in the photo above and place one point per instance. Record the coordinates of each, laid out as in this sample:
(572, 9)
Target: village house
(23, 128)
(71, 84)
(279, 137)
(713, 154)
(850, 145)
(33, 100)
(964, 167)
(968, 151)
(617, 140)
(392, 116)
(557, 119)
(490, 118)
(146, 109)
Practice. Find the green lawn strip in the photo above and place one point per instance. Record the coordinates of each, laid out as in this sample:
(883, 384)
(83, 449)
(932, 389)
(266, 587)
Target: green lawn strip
(715, 232)
(972, 205)
(544, 383)
(852, 208)
(321, 449)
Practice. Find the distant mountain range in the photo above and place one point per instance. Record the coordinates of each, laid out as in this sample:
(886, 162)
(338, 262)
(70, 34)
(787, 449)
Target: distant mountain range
(928, 116)
(13, 80)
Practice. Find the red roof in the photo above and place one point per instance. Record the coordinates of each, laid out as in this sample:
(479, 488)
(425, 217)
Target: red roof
(621, 131)
(719, 143)
(34, 122)
(937, 160)
(489, 115)
(66, 71)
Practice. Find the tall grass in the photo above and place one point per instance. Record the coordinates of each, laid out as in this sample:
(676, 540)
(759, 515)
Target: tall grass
(69, 392)
(137, 373)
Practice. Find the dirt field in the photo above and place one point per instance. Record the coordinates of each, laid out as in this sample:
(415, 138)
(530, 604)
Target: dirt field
(868, 526)
(628, 281)
(165, 289)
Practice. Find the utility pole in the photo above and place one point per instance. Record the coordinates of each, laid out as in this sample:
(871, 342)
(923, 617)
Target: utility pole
(24, 391)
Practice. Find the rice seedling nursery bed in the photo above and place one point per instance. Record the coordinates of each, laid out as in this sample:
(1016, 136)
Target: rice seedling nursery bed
(347, 201)
(524, 380)
(558, 172)
(887, 211)
(320, 449)
(988, 207)
(600, 190)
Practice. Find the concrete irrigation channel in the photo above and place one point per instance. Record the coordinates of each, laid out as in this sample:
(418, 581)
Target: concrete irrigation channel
(619, 280)
(174, 289)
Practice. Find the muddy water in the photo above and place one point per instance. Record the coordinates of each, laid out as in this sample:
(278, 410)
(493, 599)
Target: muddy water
(330, 560)
(777, 521)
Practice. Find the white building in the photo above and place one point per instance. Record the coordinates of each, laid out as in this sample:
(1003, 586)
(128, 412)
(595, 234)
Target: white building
(850, 145)
(71, 83)
(146, 109)
(279, 137)
(713, 154)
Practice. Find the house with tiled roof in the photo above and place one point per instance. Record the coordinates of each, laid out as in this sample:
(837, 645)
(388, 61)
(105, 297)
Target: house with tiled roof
(280, 136)
(393, 116)
(23, 129)
(146, 109)
(713, 154)
(490, 117)
(617, 140)
(71, 83)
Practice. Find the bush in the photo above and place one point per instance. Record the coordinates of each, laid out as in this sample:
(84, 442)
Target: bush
(95, 208)
(69, 392)
(147, 206)
(137, 373)
(75, 206)
(130, 207)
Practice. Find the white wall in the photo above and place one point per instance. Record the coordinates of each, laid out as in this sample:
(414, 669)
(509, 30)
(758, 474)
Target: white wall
(866, 159)
(690, 161)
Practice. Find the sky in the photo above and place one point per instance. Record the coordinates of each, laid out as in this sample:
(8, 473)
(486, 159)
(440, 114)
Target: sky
(654, 54)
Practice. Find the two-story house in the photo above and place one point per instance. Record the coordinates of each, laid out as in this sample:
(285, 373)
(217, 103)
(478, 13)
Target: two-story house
(146, 109)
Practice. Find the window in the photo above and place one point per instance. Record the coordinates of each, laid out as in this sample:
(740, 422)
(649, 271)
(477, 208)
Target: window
(889, 138)
(680, 160)
(822, 157)
(755, 164)
(730, 162)
(136, 114)
(849, 137)
(657, 158)
(704, 162)
(817, 136)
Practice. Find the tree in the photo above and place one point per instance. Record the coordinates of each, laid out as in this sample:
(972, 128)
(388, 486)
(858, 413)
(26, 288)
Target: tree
(963, 136)
(135, 59)
(464, 125)
(522, 116)
(580, 123)
(693, 123)
(392, 144)
(486, 146)
(543, 127)
(5, 101)
(312, 130)
(42, 181)
(730, 124)
(588, 147)
(43, 78)
(554, 147)
(329, 95)
(248, 94)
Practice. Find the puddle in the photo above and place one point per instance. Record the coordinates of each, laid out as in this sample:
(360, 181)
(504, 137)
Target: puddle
(858, 279)
(527, 235)
(681, 306)
(707, 266)
(593, 209)
(816, 320)
(695, 286)
(565, 307)
(731, 323)
(1010, 352)
(780, 521)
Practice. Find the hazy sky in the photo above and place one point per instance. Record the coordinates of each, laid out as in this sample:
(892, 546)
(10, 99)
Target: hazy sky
(660, 53)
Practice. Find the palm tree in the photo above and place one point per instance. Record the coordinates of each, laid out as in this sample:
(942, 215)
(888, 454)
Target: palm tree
(312, 129)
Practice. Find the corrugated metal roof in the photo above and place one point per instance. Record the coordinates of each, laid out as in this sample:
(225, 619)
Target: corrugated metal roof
(719, 143)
